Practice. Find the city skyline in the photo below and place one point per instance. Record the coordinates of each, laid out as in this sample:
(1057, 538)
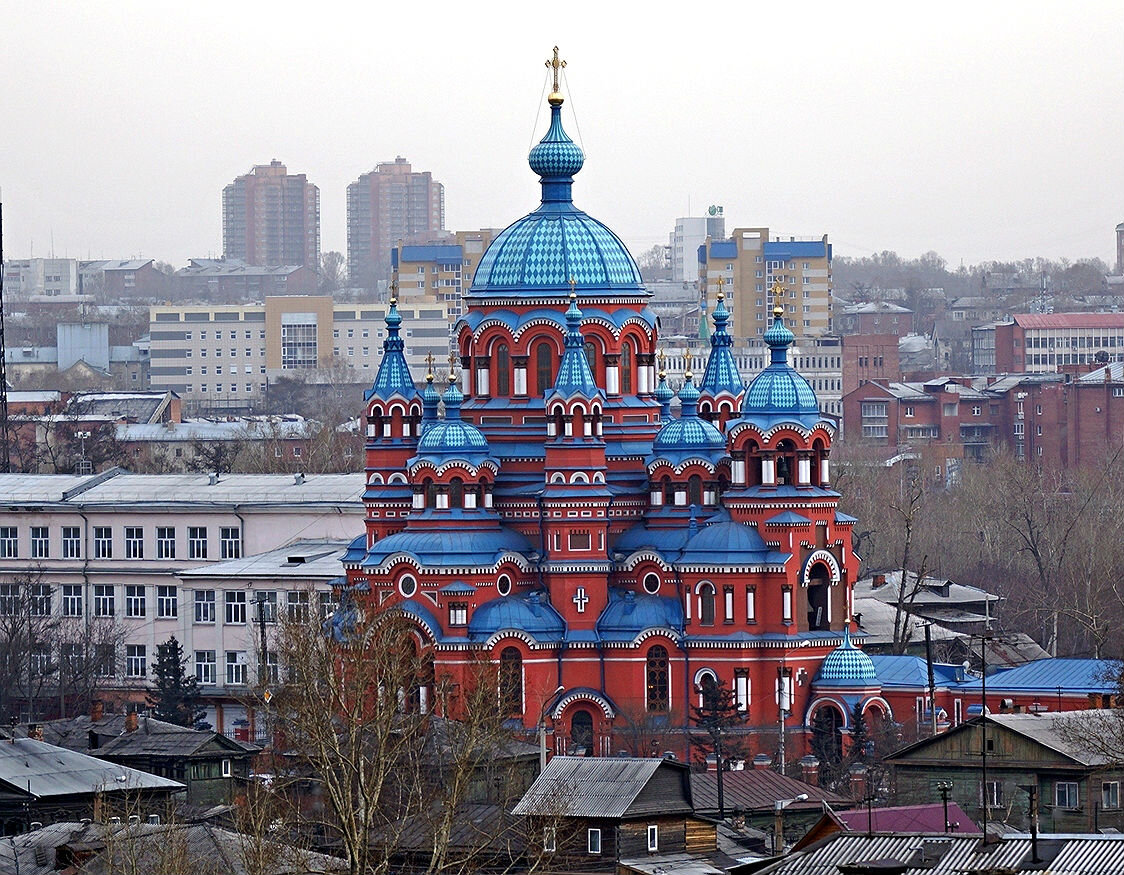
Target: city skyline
(976, 132)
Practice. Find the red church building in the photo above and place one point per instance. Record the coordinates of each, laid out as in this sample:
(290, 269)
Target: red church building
(547, 511)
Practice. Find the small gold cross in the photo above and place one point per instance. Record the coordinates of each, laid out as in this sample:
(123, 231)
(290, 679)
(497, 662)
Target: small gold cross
(557, 65)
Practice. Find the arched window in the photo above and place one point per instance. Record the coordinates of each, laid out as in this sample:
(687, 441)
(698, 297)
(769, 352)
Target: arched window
(544, 370)
(456, 492)
(706, 604)
(626, 368)
(511, 681)
(581, 733)
(503, 370)
(658, 684)
(694, 490)
(668, 492)
(591, 357)
(430, 493)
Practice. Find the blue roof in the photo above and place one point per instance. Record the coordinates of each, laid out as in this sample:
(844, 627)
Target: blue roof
(728, 543)
(796, 249)
(1047, 675)
(779, 393)
(912, 671)
(688, 436)
(723, 249)
(356, 550)
(574, 376)
(458, 545)
(451, 254)
(846, 666)
(545, 249)
(393, 377)
(452, 437)
(629, 613)
(721, 374)
(788, 518)
(531, 613)
(457, 587)
(665, 542)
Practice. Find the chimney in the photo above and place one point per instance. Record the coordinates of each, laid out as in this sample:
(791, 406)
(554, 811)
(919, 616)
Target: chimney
(34, 730)
(154, 818)
(762, 762)
(97, 710)
(131, 721)
(858, 781)
(213, 479)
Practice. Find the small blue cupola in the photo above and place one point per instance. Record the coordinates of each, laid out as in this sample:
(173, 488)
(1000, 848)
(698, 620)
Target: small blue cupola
(393, 378)
(430, 402)
(452, 438)
(846, 666)
(689, 436)
(664, 396)
(779, 393)
(721, 376)
(574, 376)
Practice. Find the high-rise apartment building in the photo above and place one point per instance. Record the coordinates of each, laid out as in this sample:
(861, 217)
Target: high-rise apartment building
(690, 233)
(392, 203)
(754, 266)
(271, 217)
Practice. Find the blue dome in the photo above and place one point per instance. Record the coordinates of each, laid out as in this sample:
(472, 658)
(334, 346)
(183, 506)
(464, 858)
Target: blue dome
(557, 242)
(726, 543)
(847, 666)
(779, 392)
(452, 437)
(460, 544)
(688, 435)
(531, 614)
(629, 613)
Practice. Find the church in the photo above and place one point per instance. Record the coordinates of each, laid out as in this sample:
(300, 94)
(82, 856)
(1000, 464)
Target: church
(541, 505)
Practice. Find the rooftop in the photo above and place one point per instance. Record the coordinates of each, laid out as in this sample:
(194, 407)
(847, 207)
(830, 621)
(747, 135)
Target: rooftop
(40, 770)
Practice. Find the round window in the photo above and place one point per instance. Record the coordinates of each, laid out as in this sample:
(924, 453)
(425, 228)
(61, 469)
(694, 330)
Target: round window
(651, 583)
(407, 586)
(503, 585)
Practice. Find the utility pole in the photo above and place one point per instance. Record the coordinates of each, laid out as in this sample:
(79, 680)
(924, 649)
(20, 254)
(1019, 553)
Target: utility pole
(932, 682)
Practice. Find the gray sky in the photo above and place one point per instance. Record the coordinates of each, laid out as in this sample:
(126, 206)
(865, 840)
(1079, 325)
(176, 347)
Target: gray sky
(980, 130)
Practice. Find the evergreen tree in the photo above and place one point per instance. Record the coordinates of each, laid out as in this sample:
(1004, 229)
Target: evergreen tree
(175, 696)
(717, 713)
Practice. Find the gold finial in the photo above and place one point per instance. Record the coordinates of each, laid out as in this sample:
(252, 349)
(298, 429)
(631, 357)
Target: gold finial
(555, 63)
(429, 361)
(452, 363)
(778, 310)
(573, 294)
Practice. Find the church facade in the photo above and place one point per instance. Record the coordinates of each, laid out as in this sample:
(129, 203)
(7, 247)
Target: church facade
(542, 507)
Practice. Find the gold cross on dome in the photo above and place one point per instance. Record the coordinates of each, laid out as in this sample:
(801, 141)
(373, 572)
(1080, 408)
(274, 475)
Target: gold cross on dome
(778, 289)
(573, 284)
(429, 361)
(557, 65)
(721, 283)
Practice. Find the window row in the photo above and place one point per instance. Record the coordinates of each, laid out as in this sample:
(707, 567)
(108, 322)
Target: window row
(239, 668)
(133, 544)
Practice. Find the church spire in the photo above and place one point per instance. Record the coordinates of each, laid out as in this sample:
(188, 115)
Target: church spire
(393, 377)
(556, 158)
(574, 375)
(721, 374)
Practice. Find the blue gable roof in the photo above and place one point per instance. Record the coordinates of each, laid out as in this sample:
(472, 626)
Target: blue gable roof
(796, 249)
(1048, 675)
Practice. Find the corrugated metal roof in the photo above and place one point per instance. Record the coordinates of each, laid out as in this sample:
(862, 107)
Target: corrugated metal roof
(1070, 320)
(595, 787)
(1050, 675)
(755, 789)
(45, 771)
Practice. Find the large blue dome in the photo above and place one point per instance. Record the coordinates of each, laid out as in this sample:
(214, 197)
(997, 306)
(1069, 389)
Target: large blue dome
(556, 243)
(779, 392)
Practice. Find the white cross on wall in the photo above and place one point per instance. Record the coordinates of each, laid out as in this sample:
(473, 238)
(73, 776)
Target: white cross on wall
(581, 599)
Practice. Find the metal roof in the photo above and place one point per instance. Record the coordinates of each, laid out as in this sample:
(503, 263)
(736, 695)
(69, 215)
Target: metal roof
(1050, 675)
(300, 560)
(1069, 320)
(44, 771)
(595, 787)
(755, 789)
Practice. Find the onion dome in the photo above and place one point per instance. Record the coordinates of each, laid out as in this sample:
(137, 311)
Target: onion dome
(574, 376)
(721, 374)
(542, 251)
(779, 393)
(530, 614)
(452, 437)
(847, 666)
(393, 377)
(688, 436)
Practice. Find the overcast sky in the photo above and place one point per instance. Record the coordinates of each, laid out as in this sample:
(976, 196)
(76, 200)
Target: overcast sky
(983, 130)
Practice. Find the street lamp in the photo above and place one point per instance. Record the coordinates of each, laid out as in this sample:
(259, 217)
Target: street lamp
(784, 699)
(778, 820)
(943, 788)
(547, 702)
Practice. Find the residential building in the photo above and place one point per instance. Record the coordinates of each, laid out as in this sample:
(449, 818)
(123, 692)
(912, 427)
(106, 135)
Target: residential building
(281, 443)
(81, 359)
(214, 769)
(868, 357)
(875, 317)
(1036, 343)
(40, 277)
(43, 783)
(120, 279)
(759, 271)
(690, 233)
(391, 204)
(111, 549)
(983, 349)
(224, 356)
(626, 809)
(271, 218)
(440, 272)
(1077, 785)
(231, 280)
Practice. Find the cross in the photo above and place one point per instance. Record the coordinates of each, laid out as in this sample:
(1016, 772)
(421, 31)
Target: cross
(573, 284)
(721, 283)
(581, 599)
(557, 65)
(394, 291)
(429, 361)
(452, 364)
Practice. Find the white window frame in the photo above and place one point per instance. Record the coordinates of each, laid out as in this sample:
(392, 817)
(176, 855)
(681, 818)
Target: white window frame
(9, 542)
(1075, 799)
(166, 542)
(206, 667)
(72, 600)
(653, 838)
(136, 600)
(234, 603)
(136, 660)
(236, 668)
(134, 542)
(103, 542)
(71, 542)
(40, 542)
(167, 602)
(593, 841)
(196, 542)
(105, 600)
(205, 610)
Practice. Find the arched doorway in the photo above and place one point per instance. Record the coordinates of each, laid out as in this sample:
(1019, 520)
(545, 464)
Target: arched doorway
(581, 733)
(827, 736)
(819, 594)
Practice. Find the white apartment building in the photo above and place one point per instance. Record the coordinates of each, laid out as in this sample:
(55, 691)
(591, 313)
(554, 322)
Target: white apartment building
(225, 355)
(47, 277)
(111, 549)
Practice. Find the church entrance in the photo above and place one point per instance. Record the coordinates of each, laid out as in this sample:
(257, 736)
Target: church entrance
(581, 734)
